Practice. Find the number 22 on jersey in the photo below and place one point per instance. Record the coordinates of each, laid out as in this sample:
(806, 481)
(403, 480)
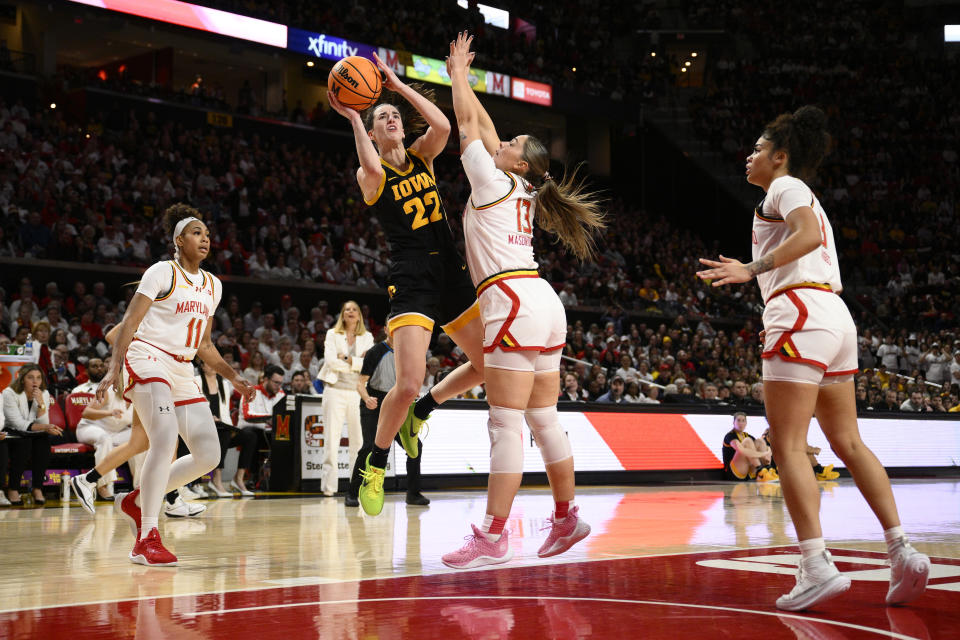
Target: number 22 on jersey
(194, 334)
(419, 207)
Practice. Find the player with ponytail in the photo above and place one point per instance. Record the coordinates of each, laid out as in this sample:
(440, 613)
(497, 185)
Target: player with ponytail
(523, 320)
(810, 354)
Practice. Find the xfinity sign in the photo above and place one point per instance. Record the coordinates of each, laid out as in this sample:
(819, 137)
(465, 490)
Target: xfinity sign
(333, 49)
(320, 45)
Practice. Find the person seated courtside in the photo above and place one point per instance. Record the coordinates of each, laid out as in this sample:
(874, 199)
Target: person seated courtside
(744, 457)
(26, 411)
(219, 393)
(104, 425)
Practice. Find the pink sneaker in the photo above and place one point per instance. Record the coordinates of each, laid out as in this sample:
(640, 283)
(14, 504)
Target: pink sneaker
(564, 534)
(479, 551)
(125, 504)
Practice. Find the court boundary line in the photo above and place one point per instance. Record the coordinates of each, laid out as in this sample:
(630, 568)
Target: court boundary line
(454, 598)
(61, 605)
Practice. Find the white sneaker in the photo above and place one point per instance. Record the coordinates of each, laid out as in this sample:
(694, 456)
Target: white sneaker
(181, 509)
(212, 488)
(187, 493)
(4, 502)
(199, 490)
(242, 490)
(909, 570)
(812, 589)
(85, 491)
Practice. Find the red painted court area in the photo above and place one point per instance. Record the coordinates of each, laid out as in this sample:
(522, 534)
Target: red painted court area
(698, 595)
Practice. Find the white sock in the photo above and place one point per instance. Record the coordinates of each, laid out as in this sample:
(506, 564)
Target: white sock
(815, 560)
(812, 548)
(147, 524)
(894, 537)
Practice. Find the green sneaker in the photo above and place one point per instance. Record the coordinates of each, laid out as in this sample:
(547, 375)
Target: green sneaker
(371, 488)
(409, 432)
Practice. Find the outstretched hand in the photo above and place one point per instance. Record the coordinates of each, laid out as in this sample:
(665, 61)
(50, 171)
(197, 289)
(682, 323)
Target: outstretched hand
(726, 271)
(390, 79)
(339, 107)
(460, 54)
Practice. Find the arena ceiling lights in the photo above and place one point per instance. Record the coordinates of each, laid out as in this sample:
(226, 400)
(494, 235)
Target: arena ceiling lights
(951, 33)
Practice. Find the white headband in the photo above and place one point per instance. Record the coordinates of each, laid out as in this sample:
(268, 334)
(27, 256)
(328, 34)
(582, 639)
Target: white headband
(177, 230)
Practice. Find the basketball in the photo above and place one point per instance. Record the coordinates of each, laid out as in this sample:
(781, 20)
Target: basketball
(356, 82)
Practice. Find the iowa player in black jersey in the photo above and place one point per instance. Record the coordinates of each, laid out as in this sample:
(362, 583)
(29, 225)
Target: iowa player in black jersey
(428, 280)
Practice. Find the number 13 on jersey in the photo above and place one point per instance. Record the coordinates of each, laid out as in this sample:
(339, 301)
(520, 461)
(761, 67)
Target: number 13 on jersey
(523, 216)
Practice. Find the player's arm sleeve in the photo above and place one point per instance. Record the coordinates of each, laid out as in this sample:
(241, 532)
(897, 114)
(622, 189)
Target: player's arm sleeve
(157, 280)
(482, 173)
(370, 361)
(217, 290)
(791, 197)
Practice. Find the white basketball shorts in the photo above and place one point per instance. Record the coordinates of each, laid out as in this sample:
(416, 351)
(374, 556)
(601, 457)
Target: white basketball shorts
(524, 323)
(810, 338)
(147, 363)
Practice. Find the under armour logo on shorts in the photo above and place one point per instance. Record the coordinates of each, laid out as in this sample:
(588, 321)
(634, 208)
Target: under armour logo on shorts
(164, 409)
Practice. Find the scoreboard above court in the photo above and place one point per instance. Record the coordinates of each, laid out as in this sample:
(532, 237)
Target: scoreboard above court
(321, 45)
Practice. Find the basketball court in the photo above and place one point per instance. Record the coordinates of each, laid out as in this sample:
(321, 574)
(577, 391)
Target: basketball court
(694, 560)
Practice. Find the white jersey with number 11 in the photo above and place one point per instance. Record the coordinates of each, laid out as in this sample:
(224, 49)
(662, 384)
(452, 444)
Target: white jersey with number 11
(182, 306)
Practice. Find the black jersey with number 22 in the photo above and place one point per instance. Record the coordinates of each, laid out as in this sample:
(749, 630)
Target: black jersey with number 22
(410, 209)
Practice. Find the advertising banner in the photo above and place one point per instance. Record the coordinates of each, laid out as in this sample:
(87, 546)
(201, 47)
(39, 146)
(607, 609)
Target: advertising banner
(498, 84)
(321, 45)
(458, 442)
(435, 71)
(313, 435)
(530, 91)
(394, 60)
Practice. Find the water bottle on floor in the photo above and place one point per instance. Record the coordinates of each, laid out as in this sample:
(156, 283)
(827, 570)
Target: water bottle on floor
(65, 488)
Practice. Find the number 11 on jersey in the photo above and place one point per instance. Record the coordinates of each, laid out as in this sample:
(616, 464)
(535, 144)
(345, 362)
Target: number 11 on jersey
(194, 336)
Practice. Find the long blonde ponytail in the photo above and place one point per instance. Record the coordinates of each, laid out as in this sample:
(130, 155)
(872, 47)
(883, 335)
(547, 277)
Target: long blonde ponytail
(564, 207)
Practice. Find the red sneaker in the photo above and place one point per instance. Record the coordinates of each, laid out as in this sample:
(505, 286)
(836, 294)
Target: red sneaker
(150, 551)
(564, 534)
(125, 504)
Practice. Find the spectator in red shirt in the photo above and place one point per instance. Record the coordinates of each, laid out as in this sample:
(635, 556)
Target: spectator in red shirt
(88, 324)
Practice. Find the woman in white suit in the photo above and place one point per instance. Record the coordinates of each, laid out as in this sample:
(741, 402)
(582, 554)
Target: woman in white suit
(26, 415)
(343, 351)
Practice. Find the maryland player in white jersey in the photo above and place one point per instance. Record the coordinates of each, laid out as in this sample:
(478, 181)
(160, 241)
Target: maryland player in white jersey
(523, 319)
(810, 355)
(166, 325)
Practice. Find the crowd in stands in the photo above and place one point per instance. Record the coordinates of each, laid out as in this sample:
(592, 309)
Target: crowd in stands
(890, 184)
(611, 360)
(91, 194)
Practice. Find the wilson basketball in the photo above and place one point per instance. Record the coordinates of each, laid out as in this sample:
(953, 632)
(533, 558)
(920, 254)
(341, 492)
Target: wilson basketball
(356, 82)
